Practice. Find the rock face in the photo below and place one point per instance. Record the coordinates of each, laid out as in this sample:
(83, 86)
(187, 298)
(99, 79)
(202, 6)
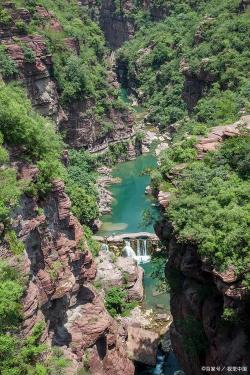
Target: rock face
(59, 268)
(120, 272)
(81, 129)
(220, 133)
(142, 345)
(199, 335)
(195, 83)
(116, 17)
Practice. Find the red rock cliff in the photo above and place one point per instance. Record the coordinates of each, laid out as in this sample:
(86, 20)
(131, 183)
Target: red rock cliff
(59, 268)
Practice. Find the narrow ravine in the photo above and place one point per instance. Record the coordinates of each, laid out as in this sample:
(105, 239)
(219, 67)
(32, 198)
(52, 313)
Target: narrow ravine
(129, 204)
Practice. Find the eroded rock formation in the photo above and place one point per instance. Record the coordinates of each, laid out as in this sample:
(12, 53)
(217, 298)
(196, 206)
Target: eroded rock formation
(198, 334)
(59, 267)
(80, 127)
(116, 18)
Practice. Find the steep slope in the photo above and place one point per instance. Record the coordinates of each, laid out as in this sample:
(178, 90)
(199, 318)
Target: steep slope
(193, 63)
(120, 19)
(191, 71)
(46, 299)
(61, 59)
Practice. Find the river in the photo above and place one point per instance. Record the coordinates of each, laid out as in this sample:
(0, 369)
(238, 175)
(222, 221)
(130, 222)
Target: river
(129, 204)
(129, 199)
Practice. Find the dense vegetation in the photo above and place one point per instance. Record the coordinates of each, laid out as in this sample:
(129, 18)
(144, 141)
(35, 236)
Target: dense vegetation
(29, 138)
(192, 70)
(209, 40)
(80, 71)
(19, 356)
(211, 205)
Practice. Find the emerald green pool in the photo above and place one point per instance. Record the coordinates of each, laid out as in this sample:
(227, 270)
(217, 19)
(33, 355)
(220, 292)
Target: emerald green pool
(153, 299)
(128, 206)
(130, 200)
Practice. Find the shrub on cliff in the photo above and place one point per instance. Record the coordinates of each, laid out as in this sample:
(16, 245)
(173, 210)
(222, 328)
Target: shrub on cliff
(20, 126)
(84, 204)
(174, 63)
(211, 206)
(8, 68)
(21, 356)
(116, 302)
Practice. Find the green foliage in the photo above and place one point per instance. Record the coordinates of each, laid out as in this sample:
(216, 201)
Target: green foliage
(181, 152)
(22, 127)
(5, 17)
(116, 152)
(15, 245)
(54, 269)
(57, 364)
(84, 205)
(158, 271)
(10, 294)
(21, 27)
(148, 217)
(211, 206)
(151, 61)
(80, 185)
(74, 80)
(116, 302)
(36, 140)
(218, 107)
(29, 54)
(22, 356)
(10, 192)
(8, 68)
(155, 179)
(229, 315)
(93, 245)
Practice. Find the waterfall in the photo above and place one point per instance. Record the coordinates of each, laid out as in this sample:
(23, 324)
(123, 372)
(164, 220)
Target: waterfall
(128, 251)
(105, 247)
(142, 254)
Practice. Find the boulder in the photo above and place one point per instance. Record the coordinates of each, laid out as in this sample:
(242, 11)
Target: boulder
(142, 345)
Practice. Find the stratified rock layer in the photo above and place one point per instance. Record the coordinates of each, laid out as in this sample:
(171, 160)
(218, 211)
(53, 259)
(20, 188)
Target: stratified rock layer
(81, 129)
(59, 268)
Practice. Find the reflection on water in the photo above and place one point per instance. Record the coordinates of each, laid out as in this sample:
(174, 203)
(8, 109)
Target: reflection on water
(153, 299)
(129, 199)
(111, 227)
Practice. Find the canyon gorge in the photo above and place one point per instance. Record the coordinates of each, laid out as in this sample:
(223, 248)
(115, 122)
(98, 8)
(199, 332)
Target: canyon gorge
(124, 187)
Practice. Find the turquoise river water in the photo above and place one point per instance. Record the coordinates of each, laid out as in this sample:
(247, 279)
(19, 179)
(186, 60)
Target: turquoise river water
(129, 204)
(129, 199)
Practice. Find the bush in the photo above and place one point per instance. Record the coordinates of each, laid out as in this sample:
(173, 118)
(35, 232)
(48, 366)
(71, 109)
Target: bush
(116, 302)
(22, 127)
(84, 205)
(211, 205)
(16, 246)
(93, 245)
(8, 68)
(11, 292)
(5, 17)
(21, 27)
(29, 54)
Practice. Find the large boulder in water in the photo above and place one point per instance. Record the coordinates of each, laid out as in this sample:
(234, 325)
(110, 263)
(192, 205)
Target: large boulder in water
(142, 345)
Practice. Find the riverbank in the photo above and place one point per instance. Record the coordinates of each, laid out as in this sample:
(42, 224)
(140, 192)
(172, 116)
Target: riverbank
(124, 228)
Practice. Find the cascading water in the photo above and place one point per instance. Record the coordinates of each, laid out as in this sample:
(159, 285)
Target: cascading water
(142, 255)
(128, 250)
(105, 247)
